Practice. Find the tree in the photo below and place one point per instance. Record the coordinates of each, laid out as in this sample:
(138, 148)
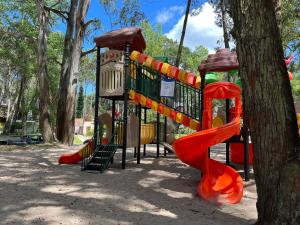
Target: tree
(130, 14)
(80, 103)
(222, 20)
(70, 69)
(187, 11)
(269, 111)
(44, 98)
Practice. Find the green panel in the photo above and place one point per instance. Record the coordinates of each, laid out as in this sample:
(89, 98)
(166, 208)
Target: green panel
(239, 82)
(211, 78)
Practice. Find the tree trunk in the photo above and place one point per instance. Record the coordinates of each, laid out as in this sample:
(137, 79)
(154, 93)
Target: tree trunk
(224, 24)
(15, 108)
(70, 68)
(187, 11)
(269, 112)
(44, 98)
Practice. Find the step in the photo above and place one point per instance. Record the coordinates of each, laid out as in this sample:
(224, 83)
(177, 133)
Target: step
(102, 153)
(100, 160)
(92, 166)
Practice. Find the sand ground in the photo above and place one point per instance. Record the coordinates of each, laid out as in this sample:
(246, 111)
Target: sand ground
(34, 189)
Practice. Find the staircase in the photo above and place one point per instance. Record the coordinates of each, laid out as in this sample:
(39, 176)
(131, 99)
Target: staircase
(103, 155)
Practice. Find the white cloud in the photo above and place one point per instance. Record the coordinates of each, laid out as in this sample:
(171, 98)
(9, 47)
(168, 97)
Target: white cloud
(201, 30)
(166, 14)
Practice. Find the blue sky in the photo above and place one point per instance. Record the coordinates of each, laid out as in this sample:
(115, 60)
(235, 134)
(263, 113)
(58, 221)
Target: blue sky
(201, 29)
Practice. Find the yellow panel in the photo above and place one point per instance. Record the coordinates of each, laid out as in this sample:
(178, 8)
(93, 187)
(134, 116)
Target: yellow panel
(131, 94)
(182, 75)
(194, 124)
(179, 117)
(217, 122)
(143, 100)
(148, 62)
(165, 67)
(154, 105)
(147, 133)
(167, 111)
(198, 81)
(134, 55)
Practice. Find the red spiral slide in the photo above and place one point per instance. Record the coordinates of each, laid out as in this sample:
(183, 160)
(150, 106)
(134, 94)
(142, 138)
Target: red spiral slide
(219, 183)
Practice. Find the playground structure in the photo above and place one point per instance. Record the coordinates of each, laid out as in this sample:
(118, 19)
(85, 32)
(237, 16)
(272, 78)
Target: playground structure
(126, 75)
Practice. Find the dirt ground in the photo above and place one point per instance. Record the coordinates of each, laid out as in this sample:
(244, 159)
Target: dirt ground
(34, 189)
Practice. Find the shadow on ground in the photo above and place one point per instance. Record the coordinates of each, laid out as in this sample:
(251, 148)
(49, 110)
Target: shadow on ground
(34, 189)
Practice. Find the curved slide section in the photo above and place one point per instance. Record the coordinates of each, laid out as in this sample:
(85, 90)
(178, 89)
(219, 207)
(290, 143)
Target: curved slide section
(73, 158)
(220, 183)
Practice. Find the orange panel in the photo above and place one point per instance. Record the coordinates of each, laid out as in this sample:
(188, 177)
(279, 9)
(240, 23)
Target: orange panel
(173, 114)
(190, 79)
(148, 103)
(156, 65)
(137, 97)
(173, 72)
(142, 58)
(160, 109)
(185, 120)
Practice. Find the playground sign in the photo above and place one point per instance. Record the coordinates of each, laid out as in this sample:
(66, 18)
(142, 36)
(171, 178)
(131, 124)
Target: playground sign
(167, 87)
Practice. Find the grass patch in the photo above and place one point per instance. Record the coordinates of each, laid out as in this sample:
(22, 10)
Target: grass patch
(77, 141)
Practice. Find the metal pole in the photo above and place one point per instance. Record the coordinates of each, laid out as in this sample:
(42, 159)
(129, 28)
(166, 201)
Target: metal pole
(157, 134)
(138, 158)
(145, 121)
(165, 135)
(227, 121)
(126, 90)
(136, 113)
(246, 155)
(113, 125)
(201, 97)
(96, 119)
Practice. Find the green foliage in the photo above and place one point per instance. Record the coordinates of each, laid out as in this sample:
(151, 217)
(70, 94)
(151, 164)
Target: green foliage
(80, 103)
(290, 24)
(130, 14)
(160, 45)
(90, 133)
(295, 83)
(77, 140)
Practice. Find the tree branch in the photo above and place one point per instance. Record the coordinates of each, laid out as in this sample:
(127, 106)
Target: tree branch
(85, 26)
(55, 4)
(55, 60)
(63, 14)
(87, 52)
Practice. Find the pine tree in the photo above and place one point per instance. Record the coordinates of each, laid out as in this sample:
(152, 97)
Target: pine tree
(80, 102)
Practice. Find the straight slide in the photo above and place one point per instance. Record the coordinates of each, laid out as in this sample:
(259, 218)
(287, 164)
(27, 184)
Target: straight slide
(73, 158)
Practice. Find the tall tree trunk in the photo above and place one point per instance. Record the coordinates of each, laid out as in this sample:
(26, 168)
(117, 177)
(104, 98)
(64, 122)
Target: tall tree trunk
(70, 68)
(15, 108)
(224, 24)
(44, 98)
(269, 112)
(187, 11)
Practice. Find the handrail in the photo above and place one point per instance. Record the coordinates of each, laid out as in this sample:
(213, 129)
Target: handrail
(183, 107)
